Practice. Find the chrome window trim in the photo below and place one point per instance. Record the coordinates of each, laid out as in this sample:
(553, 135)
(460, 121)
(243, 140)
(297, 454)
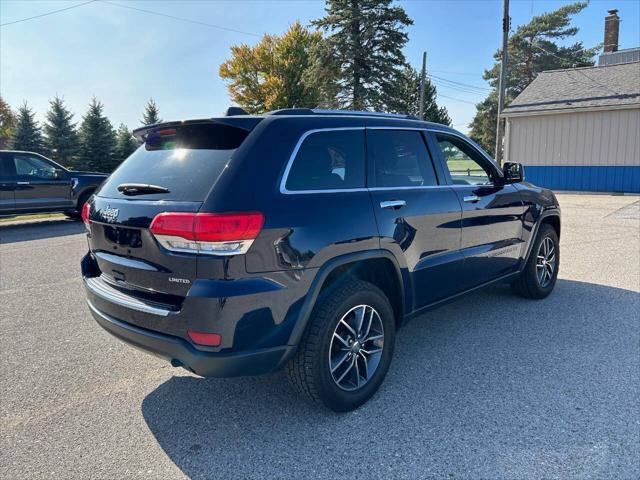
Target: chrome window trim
(417, 187)
(472, 144)
(306, 134)
(303, 137)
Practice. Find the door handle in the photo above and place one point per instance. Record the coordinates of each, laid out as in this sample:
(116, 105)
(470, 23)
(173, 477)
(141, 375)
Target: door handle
(22, 183)
(394, 204)
(470, 198)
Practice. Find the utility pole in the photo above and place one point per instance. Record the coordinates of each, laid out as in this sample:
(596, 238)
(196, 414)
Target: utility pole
(422, 83)
(503, 80)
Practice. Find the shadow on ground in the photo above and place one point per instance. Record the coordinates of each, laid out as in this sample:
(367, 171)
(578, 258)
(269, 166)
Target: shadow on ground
(37, 230)
(491, 386)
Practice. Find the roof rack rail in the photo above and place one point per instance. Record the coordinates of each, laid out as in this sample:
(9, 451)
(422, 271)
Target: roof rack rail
(291, 111)
(320, 111)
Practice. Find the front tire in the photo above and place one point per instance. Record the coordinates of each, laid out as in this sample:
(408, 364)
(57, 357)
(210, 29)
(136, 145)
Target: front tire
(347, 347)
(541, 271)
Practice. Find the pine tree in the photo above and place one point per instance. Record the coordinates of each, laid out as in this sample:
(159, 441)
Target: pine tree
(406, 98)
(61, 135)
(125, 143)
(26, 134)
(365, 40)
(151, 113)
(7, 123)
(532, 49)
(97, 140)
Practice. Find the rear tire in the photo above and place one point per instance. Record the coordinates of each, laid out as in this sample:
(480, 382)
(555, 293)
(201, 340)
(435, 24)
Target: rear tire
(324, 354)
(75, 214)
(541, 271)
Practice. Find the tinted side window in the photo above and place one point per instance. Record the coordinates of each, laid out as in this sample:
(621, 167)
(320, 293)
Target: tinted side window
(329, 160)
(465, 165)
(400, 159)
(33, 167)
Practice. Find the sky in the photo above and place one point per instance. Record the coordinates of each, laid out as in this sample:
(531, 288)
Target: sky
(124, 56)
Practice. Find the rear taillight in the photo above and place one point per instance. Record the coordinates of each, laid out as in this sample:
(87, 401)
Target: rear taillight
(84, 214)
(210, 233)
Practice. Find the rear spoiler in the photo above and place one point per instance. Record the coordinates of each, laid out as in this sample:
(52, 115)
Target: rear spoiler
(243, 122)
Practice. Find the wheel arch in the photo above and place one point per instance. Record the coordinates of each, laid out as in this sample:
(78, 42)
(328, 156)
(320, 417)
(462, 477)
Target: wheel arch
(550, 217)
(375, 266)
(86, 191)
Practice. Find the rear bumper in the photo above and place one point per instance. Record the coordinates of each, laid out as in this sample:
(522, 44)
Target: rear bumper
(181, 354)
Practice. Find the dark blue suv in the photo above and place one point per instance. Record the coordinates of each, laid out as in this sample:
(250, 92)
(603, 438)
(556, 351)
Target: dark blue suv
(305, 239)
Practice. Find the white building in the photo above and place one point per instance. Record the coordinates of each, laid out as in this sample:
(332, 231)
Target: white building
(579, 128)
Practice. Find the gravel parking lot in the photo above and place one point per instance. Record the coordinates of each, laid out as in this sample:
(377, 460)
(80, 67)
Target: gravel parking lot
(492, 386)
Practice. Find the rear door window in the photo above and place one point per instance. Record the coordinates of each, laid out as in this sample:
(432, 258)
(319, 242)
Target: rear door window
(328, 160)
(399, 158)
(185, 160)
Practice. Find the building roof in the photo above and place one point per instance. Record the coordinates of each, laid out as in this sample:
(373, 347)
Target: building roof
(580, 88)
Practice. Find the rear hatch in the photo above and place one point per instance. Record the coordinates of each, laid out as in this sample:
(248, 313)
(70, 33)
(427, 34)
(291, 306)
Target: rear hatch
(173, 171)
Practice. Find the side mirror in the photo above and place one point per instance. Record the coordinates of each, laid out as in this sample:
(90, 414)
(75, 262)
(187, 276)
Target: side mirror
(513, 172)
(58, 174)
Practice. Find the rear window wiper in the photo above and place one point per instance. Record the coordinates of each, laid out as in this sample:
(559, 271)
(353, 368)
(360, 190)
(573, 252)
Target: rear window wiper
(140, 188)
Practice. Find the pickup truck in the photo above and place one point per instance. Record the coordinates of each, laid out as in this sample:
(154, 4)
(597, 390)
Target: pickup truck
(33, 183)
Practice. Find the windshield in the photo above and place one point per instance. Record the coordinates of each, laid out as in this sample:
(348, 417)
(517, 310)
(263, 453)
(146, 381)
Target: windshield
(181, 163)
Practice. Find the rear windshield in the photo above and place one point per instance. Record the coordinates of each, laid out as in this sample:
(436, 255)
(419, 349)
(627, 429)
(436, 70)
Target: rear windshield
(185, 160)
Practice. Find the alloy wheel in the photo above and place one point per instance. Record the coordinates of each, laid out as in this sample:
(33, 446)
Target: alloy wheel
(356, 347)
(546, 262)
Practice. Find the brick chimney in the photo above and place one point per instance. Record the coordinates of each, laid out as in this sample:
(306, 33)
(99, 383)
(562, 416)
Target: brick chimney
(611, 29)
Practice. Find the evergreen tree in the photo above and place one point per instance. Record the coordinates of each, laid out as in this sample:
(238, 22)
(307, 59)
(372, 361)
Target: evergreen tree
(7, 123)
(26, 134)
(406, 98)
(532, 49)
(125, 143)
(151, 113)
(97, 140)
(365, 42)
(61, 135)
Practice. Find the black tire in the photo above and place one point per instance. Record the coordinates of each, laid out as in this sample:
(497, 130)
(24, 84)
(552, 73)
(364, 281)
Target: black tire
(528, 284)
(309, 370)
(75, 214)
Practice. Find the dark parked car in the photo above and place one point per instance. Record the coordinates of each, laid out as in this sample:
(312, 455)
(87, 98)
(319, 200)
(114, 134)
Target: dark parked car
(32, 183)
(303, 239)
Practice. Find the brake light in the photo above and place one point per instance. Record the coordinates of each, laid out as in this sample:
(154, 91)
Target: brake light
(202, 338)
(84, 214)
(210, 233)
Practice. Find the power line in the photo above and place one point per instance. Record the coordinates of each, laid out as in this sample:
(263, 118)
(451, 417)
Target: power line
(456, 99)
(461, 84)
(577, 69)
(188, 20)
(47, 13)
(458, 89)
(454, 73)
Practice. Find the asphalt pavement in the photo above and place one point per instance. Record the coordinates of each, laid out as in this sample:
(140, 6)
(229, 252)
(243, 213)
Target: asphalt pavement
(492, 386)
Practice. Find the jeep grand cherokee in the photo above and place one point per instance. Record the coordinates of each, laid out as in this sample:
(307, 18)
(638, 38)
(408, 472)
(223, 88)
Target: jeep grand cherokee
(304, 239)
